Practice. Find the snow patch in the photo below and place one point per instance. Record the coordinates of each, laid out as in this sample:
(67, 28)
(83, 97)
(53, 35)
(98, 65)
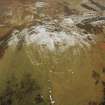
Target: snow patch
(56, 40)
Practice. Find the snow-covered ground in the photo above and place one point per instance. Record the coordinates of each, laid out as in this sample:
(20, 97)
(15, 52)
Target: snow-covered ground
(43, 36)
